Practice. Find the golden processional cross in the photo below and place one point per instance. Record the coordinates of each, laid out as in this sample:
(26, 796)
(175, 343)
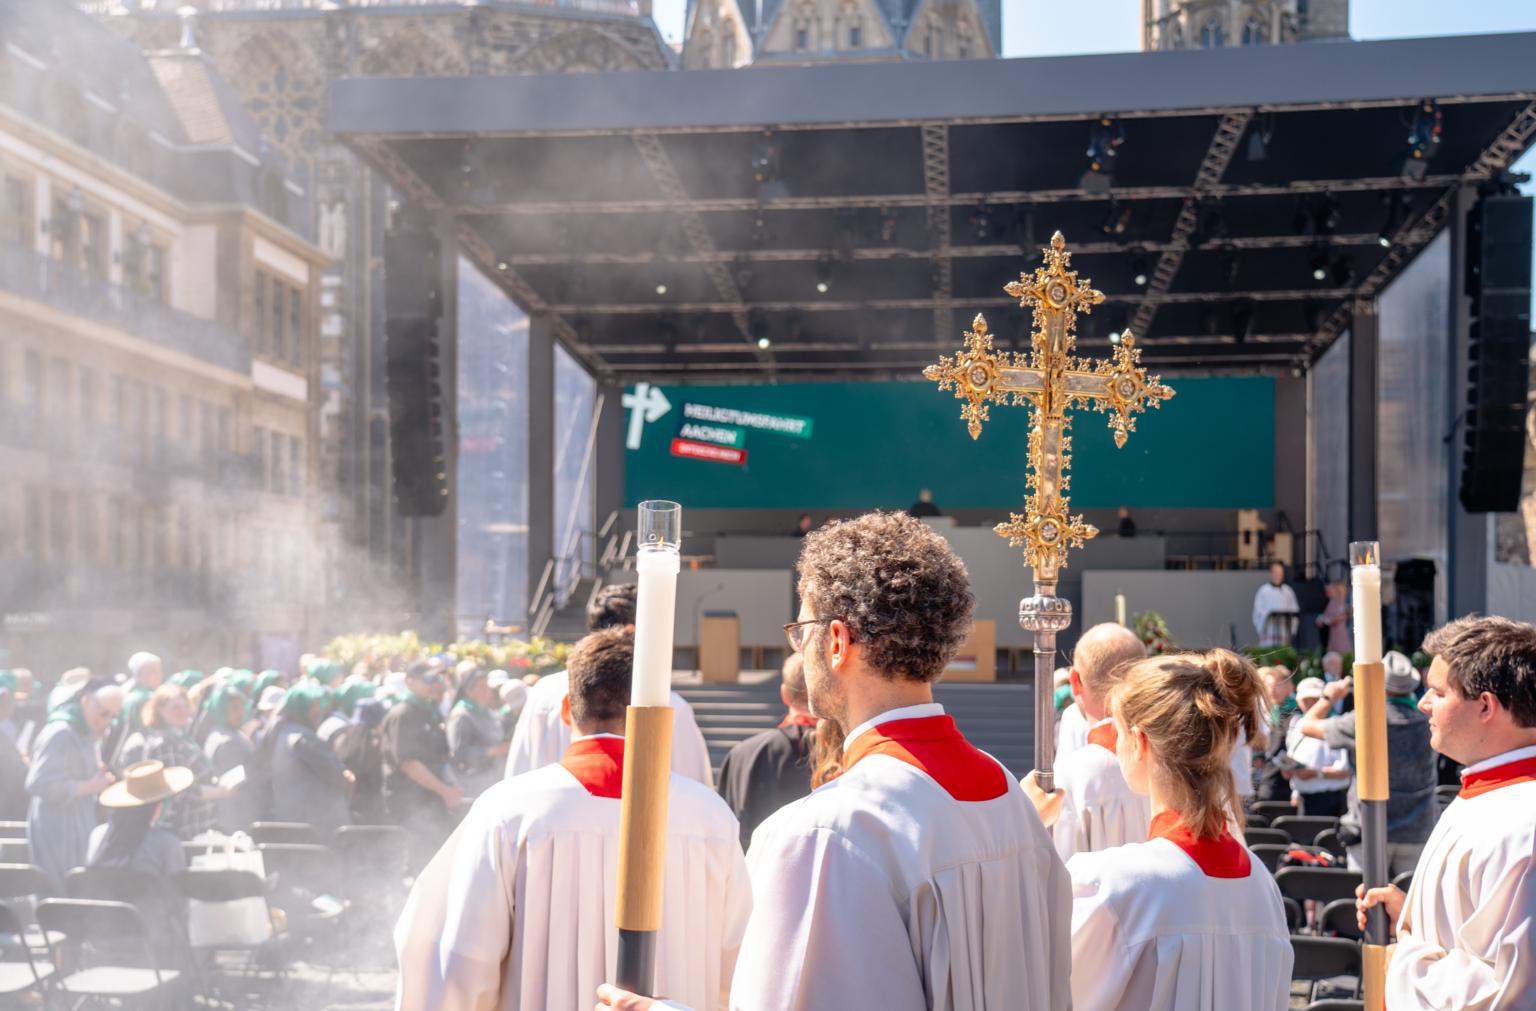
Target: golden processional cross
(1051, 380)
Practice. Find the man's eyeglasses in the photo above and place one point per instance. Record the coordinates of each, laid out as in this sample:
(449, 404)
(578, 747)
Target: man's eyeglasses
(796, 631)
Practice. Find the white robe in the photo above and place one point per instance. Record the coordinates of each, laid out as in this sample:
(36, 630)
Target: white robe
(516, 910)
(1467, 935)
(1100, 809)
(1071, 731)
(881, 891)
(541, 736)
(1268, 599)
(1151, 932)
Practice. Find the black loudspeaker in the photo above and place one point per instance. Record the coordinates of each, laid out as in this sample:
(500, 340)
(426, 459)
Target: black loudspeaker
(1499, 342)
(1412, 614)
(413, 309)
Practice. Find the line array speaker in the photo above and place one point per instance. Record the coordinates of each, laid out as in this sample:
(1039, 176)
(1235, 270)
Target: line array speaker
(413, 310)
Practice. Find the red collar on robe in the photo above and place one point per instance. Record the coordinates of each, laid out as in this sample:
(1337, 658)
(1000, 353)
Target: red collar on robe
(933, 745)
(797, 720)
(1222, 857)
(1105, 736)
(1478, 783)
(598, 764)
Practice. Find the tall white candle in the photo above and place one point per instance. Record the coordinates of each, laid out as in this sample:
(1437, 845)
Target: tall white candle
(655, 606)
(1366, 583)
(1120, 609)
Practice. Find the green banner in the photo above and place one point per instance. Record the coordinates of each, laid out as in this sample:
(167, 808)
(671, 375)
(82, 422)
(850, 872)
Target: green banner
(720, 435)
(875, 445)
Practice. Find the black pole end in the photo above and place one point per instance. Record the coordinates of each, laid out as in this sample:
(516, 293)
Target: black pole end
(636, 968)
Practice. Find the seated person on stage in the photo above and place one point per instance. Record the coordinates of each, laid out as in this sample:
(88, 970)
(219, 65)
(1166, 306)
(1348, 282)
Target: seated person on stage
(1321, 774)
(1098, 809)
(541, 738)
(516, 909)
(770, 769)
(921, 876)
(1466, 930)
(1189, 920)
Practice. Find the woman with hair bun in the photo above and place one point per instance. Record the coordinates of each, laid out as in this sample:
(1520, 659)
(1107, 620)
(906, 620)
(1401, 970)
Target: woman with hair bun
(1190, 919)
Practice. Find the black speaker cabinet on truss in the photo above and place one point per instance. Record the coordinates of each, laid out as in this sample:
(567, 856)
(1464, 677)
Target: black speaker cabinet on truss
(1499, 343)
(413, 309)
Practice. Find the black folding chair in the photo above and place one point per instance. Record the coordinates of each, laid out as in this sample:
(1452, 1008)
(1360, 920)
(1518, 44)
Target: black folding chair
(286, 832)
(1303, 828)
(1272, 809)
(19, 972)
(1328, 839)
(22, 885)
(1269, 854)
(114, 884)
(1317, 884)
(1266, 836)
(1338, 920)
(217, 886)
(1295, 919)
(1253, 820)
(1320, 959)
(101, 934)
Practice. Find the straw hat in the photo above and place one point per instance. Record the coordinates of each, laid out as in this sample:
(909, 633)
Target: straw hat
(145, 783)
(1401, 678)
(1310, 688)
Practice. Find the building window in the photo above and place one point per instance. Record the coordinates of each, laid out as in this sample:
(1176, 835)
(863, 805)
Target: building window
(144, 265)
(855, 36)
(296, 325)
(58, 526)
(32, 506)
(15, 212)
(87, 530)
(277, 321)
(93, 247)
(32, 393)
(1254, 33)
(728, 45)
(296, 459)
(259, 317)
(58, 397)
(259, 444)
(802, 38)
(1212, 34)
(87, 395)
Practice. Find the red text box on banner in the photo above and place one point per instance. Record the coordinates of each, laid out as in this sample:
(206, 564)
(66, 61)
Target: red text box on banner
(708, 451)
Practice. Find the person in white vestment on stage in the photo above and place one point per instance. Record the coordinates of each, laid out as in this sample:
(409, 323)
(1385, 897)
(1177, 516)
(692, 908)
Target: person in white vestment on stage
(1275, 609)
(516, 911)
(921, 877)
(541, 736)
(1188, 920)
(1098, 808)
(1466, 929)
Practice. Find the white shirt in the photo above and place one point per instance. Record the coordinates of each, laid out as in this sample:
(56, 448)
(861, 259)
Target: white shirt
(881, 890)
(1467, 935)
(1311, 753)
(1100, 810)
(515, 912)
(1268, 599)
(1071, 731)
(541, 736)
(1152, 932)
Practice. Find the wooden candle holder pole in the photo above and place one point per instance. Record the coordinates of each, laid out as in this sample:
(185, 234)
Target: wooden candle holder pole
(642, 844)
(1372, 787)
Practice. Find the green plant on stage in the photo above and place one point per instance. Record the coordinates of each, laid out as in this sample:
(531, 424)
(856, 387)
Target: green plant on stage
(1153, 632)
(517, 656)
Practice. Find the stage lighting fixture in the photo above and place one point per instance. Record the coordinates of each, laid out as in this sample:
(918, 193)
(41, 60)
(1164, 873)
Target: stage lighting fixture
(761, 234)
(1139, 276)
(763, 343)
(765, 159)
(1343, 270)
(1258, 138)
(1325, 214)
(501, 265)
(823, 275)
(1396, 211)
(981, 221)
(1319, 263)
(1116, 220)
(661, 288)
(1423, 140)
(888, 224)
(1104, 140)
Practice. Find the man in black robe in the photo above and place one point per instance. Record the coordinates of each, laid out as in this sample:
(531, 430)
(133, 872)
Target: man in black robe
(770, 769)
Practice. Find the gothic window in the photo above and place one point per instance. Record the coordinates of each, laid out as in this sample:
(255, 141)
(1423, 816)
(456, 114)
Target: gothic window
(1254, 33)
(728, 45)
(855, 36)
(802, 38)
(1212, 34)
(703, 44)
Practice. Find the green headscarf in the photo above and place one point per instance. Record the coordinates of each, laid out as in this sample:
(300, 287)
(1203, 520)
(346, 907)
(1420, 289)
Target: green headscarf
(266, 679)
(71, 713)
(241, 681)
(8, 680)
(300, 698)
(216, 704)
(350, 694)
(186, 678)
(327, 672)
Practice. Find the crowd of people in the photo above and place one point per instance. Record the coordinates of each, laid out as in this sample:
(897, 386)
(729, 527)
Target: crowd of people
(862, 853)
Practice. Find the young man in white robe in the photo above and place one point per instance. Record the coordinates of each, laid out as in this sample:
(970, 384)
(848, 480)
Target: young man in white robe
(1189, 919)
(1098, 809)
(1466, 929)
(516, 911)
(921, 877)
(541, 735)
(1275, 597)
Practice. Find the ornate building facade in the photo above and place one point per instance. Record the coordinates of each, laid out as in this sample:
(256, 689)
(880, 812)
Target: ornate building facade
(280, 57)
(1210, 24)
(721, 34)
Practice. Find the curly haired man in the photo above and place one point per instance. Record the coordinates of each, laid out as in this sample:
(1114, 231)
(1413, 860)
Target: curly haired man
(921, 877)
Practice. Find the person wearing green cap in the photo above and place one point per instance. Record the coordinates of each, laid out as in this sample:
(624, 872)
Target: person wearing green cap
(346, 699)
(308, 782)
(227, 749)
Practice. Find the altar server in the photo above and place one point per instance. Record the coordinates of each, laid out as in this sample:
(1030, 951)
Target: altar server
(1098, 808)
(541, 736)
(516, 910)
(1466, 930)
(1188, 920)
(920, 877)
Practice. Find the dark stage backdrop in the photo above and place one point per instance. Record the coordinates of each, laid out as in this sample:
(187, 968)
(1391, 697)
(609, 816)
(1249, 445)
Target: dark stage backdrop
(874, 445)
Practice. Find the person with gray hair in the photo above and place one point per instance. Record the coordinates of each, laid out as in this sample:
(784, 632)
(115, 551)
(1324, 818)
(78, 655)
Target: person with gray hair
(66, 777)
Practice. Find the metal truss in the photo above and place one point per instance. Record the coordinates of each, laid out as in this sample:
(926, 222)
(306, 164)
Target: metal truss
(1207, 180)
(936, 197)
(665, 173)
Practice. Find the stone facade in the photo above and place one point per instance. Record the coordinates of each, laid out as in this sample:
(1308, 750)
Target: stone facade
(1208, 24)
(720, 34)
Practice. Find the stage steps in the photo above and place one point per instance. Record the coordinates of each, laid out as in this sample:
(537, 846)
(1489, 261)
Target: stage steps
(997, 718)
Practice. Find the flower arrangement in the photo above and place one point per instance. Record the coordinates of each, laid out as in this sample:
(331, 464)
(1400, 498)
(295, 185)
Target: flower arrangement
(518, 656)
(1153, 632)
